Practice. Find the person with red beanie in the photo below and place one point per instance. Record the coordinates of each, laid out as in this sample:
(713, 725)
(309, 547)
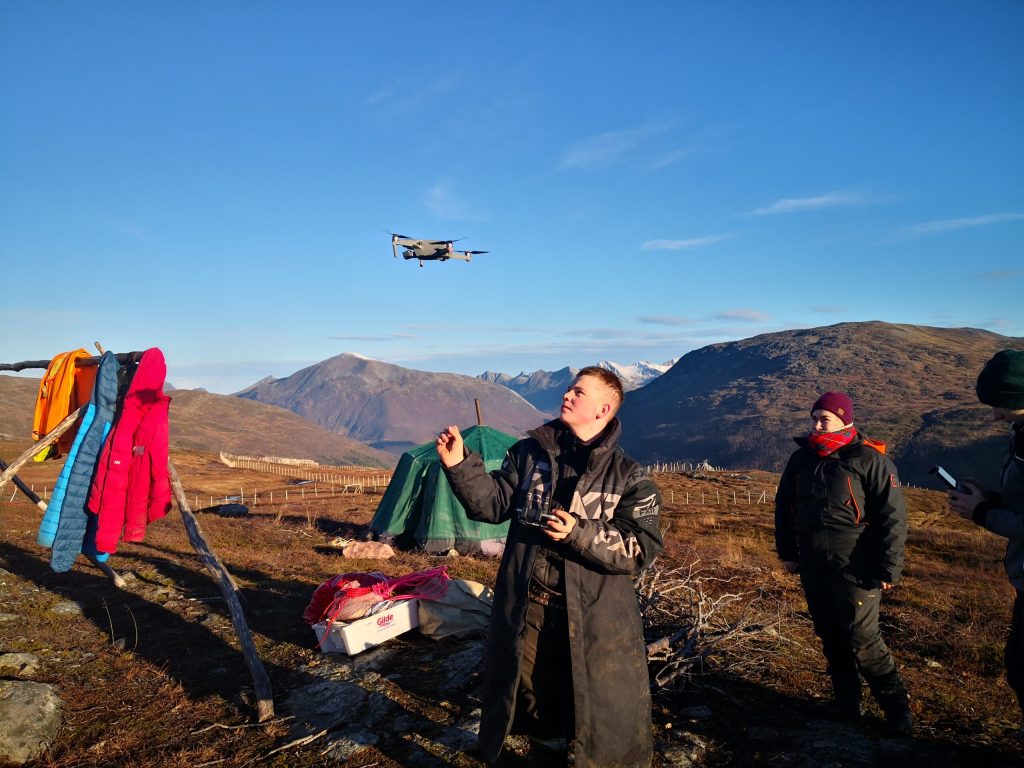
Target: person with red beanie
(841, 523)
(1001, 386)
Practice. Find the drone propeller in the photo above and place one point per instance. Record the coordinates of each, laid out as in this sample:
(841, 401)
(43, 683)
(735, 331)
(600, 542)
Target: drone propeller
(476, 252)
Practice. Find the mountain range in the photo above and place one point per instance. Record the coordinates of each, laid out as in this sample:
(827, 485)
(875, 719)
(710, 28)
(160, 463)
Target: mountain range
(738, 403)
(202, 421)
(544, 389)
(390, 407)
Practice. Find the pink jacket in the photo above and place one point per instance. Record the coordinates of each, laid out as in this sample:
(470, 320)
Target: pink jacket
(131, 487)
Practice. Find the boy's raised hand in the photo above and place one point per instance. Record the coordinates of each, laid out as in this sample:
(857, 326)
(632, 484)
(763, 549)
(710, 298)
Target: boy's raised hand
(450, 447)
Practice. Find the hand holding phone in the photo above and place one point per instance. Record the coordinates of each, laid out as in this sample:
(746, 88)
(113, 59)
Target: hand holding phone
(946, 478)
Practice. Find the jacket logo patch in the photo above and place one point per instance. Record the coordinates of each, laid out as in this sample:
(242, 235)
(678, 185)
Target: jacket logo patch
(646, 506)
(893, 481)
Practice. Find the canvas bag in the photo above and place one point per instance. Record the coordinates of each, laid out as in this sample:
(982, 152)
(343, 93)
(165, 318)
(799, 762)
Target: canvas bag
(464, 610)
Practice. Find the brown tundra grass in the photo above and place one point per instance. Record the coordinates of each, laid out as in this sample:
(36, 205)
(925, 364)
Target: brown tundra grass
(152, 676)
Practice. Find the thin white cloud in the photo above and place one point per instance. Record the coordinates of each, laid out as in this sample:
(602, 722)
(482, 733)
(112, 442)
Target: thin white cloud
(387, 337)
(442, 200)
(407, 93)
(798, 204)
(684, 245)
(949, 225)
(673, 320)
(671, 158)
(746, 315)
(1001, 323)
(605, 148)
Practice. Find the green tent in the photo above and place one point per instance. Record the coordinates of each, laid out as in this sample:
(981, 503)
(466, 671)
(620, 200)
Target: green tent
(419, 509)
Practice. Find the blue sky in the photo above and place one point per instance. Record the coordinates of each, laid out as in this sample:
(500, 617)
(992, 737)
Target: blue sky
(218, 179)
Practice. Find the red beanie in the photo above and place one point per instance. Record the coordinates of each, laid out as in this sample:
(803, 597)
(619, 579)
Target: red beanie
(838, 403)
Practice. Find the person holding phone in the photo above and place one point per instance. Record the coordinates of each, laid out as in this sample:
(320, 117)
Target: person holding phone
(841, 523)
(565, 655)
(1001, 386)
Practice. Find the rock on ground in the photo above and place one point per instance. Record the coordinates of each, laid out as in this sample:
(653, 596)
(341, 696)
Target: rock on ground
(30, 714)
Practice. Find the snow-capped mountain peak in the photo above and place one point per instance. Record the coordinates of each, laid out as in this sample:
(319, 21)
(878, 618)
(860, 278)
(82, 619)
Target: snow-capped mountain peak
(636, 375)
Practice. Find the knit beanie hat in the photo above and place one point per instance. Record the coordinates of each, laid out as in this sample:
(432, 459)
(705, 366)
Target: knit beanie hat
(1001, 381)
(838, 403)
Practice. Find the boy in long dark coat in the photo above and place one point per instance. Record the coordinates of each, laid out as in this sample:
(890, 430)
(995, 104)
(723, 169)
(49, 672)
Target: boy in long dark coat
(565, 653)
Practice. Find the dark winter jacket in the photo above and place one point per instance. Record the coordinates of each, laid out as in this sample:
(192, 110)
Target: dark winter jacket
(73, 532)
(1003, 513)
(615, 536)
(846, 508)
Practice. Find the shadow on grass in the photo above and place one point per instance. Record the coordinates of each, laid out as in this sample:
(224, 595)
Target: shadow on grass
(204, 663)
(755, 725)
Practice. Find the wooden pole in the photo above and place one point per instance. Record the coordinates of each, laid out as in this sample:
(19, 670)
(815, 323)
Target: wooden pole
(82, 362)
(109, 572)
(479, 414)
(38, 448)
(228, 588)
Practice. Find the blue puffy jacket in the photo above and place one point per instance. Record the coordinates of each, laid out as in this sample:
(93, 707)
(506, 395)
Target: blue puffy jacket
(72, 519)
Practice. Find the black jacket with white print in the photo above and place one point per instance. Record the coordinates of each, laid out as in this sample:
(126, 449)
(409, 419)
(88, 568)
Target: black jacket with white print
(616, 506)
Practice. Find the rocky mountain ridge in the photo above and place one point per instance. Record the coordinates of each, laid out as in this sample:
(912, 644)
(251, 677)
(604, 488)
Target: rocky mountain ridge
(202, 421)
(544, 389)
(738, 403)
(391, 407)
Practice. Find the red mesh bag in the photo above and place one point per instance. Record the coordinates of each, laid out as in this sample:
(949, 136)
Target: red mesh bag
(328, 591)
(351, 595)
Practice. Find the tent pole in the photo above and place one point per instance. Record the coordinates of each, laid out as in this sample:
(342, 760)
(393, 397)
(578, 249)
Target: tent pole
(479, 413)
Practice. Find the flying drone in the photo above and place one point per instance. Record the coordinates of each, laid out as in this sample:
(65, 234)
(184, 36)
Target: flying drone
(429, 250)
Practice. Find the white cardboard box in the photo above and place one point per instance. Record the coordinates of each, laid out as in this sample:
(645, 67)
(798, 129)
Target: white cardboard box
(352, 637)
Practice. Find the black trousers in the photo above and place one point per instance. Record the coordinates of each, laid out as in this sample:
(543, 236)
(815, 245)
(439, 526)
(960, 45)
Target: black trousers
(845, 618)
(1014, 651)
(544, 702)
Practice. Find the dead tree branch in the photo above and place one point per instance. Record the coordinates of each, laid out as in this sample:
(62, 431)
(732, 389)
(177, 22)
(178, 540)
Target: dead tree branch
(691, 616)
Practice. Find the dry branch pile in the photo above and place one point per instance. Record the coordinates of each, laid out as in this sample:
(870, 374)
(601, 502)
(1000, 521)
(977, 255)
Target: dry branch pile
(686, 624)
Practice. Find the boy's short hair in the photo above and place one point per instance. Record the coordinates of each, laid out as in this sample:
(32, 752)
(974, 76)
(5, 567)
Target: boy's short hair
(610, 380)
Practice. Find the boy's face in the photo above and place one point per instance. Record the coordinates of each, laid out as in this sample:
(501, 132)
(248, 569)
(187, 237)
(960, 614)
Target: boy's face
(584, 403)
(825, 421)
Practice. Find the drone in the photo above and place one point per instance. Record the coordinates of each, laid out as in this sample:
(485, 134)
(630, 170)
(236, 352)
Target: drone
(429, 250)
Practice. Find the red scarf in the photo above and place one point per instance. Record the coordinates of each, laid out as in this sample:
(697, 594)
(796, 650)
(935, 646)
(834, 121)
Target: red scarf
(825, 443)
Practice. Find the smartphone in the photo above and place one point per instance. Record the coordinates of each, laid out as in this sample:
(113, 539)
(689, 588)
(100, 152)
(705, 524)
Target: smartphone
(945, 477)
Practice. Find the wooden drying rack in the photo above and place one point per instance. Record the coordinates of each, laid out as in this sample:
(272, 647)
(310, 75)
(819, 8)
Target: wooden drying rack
(228, 587)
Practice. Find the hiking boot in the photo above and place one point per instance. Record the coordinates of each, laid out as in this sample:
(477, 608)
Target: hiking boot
(900, 722)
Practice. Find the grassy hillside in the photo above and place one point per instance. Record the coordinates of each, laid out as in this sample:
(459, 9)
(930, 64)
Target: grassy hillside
(152, 676)
(738, 403)
(203, 421)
